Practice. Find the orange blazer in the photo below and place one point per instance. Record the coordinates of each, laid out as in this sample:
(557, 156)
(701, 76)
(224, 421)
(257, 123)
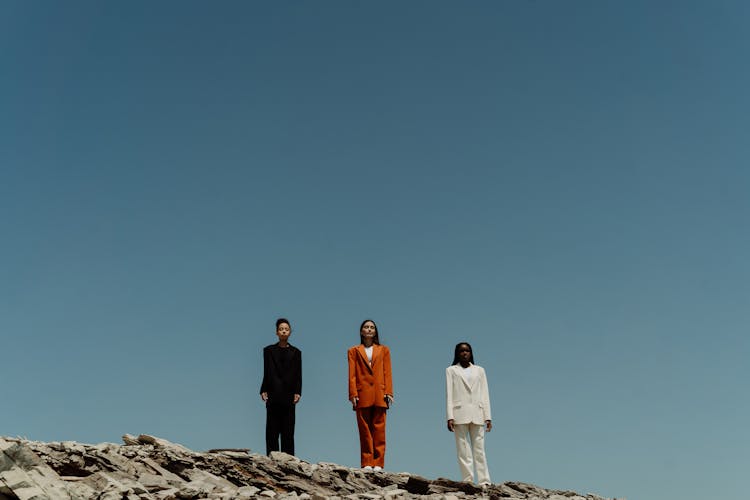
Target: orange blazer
(370, 383)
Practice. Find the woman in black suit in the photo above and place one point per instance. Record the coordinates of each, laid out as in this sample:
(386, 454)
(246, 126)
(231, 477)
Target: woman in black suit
(281, 388)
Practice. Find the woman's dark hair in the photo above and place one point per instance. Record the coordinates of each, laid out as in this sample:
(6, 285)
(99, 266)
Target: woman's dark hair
(455, 353)
(376, 339)
(283, 320)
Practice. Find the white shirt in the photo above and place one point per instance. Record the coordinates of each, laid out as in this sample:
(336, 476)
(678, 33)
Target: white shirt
(368, 351)
(468, 374)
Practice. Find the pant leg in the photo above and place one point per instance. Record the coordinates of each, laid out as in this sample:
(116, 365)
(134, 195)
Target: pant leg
(463, 452)
(378, 436)
(364, 419)
(272, 428)
(287, 429)
(480, 460)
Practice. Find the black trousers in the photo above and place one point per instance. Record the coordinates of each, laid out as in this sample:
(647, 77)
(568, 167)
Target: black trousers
(279, 424)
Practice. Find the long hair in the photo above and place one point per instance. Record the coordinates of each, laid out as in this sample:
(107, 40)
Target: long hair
(375, 339)
(455, 353)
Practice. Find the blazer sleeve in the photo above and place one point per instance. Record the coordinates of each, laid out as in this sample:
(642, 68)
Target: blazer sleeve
(298, 372)
(351, 355)
(387, 372)
(485, 397)
(448, 394)
(266, 371)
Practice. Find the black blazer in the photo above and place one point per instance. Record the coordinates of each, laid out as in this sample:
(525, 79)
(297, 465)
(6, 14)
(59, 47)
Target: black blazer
(281, 383)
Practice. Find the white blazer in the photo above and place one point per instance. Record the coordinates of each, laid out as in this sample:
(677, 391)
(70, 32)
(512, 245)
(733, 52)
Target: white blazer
(467, 404)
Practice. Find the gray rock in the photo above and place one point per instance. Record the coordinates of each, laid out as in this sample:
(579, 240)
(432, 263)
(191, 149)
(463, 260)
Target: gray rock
(247, 491)
(154, 482)
(399, 493)
(169, 494)
(25, 475)
(148, 467)
(283, 457)
(115, 483)
(190, 491)
(232, 453)
(207, 481)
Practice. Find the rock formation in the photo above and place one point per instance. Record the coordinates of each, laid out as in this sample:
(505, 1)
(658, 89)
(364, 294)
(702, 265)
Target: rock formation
(147, 467)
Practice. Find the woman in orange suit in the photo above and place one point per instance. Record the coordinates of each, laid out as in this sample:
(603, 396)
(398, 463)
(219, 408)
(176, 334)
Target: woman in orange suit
(371, 393)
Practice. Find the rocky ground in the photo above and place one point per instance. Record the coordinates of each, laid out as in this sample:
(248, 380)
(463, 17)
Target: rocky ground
(146, 467)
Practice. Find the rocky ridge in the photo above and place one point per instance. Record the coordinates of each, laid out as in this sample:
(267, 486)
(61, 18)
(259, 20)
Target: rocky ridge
(146, 467)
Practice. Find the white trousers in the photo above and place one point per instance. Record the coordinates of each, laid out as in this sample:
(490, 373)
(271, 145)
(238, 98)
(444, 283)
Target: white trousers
(470, 450)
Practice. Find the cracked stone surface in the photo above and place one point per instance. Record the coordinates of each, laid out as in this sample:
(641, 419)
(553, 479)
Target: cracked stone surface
(148, 467)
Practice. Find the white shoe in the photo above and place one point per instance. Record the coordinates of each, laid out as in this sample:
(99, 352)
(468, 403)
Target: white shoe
(367, 468)
(377, 468)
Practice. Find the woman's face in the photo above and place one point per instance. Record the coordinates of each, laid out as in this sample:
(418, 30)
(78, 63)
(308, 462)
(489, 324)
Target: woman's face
(368, 330)
(283, 331)
(464, 353)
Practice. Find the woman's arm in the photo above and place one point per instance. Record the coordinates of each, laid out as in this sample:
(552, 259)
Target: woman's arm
(486, 399)
(388, 382)
(352, 377)
(266, 375)
(449, 399)
(298, 381)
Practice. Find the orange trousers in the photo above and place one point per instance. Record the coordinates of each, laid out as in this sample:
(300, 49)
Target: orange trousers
(371, 424)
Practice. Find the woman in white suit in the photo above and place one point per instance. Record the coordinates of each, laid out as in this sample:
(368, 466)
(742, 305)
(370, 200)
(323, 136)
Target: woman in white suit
(468, 410)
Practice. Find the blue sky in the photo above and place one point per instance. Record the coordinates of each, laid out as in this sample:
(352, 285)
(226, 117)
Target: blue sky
(562, 184)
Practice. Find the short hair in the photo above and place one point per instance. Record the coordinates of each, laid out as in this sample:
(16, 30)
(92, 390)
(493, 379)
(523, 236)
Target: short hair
(283, 320)
(376, 339)
(455, 353)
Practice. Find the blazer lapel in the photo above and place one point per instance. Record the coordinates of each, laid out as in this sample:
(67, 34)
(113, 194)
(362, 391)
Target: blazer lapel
(363, 354)
(460, 373)
(475, 380)
(275, 358)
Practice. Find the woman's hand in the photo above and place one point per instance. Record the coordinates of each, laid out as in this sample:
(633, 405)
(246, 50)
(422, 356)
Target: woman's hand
(450, 425)
(389, 400)
(296, 398)
(264, 396)
(489, 425)
(354, 401)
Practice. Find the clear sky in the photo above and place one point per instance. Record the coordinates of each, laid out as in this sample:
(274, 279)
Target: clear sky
(562, 184)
